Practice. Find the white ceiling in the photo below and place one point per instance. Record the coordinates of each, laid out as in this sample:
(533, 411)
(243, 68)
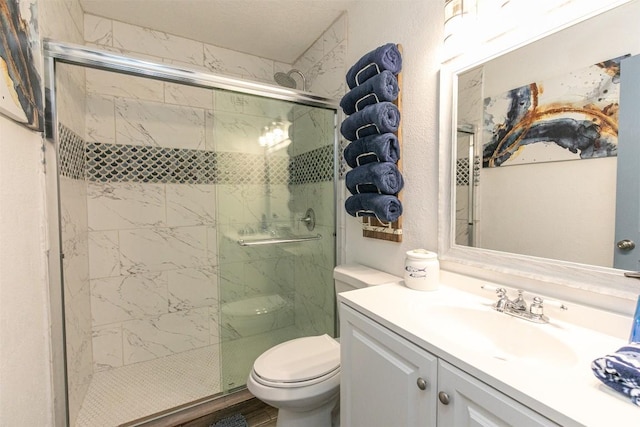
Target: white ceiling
(280, 30)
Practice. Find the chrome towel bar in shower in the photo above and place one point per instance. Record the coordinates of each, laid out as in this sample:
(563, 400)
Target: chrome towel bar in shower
(275, 240)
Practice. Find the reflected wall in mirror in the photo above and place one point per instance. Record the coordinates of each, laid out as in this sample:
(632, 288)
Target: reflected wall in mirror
(564, 209)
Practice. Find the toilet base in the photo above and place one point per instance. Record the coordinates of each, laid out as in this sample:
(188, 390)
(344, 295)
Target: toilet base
(319, 417)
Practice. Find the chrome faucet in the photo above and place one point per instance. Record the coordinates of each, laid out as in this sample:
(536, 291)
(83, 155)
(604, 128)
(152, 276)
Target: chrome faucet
(519, 304)
(518, 307)
(503, 300)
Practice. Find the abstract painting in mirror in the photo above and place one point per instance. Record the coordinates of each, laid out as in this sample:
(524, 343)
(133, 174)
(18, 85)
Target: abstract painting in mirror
(573, 116)
(538, 136)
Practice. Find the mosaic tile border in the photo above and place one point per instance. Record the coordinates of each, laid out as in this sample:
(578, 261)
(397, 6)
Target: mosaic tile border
(148, 164)
(462, 171)
(71, 154)
(312, 166)
(100, 162)
(343, 167)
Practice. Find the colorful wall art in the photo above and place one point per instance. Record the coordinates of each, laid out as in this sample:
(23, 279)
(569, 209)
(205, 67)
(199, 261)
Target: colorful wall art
(20, 83)
(574, 116)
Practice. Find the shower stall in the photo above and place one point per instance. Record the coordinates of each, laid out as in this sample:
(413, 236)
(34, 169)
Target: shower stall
(467, 179)
(197, 229)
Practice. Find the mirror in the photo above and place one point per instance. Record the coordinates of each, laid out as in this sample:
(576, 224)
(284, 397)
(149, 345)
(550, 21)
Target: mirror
(548, 207)
(527, 110)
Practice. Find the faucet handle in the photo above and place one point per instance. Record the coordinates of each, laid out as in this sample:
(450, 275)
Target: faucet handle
(519, 303)
(537, 306)
(502, 302)
(536, 310)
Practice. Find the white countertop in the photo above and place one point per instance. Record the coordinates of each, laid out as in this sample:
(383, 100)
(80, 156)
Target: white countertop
(568, 394)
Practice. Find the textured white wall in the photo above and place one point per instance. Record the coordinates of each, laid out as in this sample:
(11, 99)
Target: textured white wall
(25, 379)
(417, 25)
(27, 397)
(25, 389)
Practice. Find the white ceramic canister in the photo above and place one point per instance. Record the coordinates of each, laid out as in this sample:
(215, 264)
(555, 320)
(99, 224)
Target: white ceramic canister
(422, 270)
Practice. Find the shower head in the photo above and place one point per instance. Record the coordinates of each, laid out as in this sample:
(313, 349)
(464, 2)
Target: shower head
(285, 79)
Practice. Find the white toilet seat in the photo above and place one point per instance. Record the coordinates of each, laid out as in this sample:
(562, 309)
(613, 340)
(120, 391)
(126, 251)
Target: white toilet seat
(292, 384)
(298, 363)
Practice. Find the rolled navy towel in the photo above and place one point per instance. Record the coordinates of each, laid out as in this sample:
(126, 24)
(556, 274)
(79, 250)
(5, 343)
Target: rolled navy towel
(381, 206)
(376, 177)
(383, 87)
(385, 57)
(621, 371)
(383, 117)
(373, 148)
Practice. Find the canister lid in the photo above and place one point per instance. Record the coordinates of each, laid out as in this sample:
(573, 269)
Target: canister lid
(422, 254)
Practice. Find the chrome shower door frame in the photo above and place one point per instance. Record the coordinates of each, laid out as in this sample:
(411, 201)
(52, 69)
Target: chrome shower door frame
(58, 52)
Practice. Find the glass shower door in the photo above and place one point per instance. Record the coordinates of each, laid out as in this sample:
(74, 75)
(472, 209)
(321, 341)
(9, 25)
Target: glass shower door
(165, 189)
(276, 226)
(137, 190)
(467, 169)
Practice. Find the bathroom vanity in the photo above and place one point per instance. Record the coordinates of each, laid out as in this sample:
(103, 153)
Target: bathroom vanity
(447, 358)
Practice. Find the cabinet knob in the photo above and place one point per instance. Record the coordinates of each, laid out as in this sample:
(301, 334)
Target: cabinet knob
(422, 384)
(444, 398)
(626, 245)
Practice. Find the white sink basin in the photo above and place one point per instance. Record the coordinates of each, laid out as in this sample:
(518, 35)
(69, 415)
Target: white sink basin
(499, 335)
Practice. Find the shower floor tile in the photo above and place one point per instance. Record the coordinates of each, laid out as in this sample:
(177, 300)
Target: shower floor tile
(124, 394)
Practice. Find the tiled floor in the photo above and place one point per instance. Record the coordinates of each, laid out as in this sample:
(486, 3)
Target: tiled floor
(138, 393)
(135, 391)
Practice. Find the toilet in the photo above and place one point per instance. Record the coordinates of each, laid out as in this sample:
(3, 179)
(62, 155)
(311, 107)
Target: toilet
(301, 377)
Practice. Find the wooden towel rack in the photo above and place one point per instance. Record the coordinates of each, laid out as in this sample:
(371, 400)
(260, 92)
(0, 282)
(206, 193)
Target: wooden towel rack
(371, 227)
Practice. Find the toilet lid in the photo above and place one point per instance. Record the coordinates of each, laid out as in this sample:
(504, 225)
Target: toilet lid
(299, 360)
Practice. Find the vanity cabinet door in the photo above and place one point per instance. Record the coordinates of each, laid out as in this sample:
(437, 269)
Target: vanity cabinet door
(385, 379)
(469, 402)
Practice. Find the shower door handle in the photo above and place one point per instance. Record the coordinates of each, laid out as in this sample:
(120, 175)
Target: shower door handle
(274, 241)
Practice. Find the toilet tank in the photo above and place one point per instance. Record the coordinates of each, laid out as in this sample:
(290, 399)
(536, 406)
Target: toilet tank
(348, 277)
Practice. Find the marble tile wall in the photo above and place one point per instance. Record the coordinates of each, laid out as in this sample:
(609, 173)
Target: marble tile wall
(64, 21)
(247, 272)
(153, 269)
(147, 43)
(155, 262)
(313, 273)
(152, 241)
(73, 216)
(323, 64)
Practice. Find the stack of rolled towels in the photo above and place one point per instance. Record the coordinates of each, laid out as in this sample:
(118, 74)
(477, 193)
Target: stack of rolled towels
(621, 371)
(372, 122)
